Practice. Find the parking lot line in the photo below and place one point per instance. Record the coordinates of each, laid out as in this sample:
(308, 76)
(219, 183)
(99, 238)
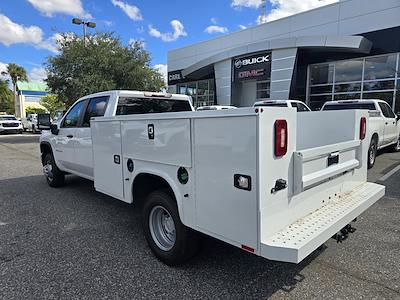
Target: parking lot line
(389, 174)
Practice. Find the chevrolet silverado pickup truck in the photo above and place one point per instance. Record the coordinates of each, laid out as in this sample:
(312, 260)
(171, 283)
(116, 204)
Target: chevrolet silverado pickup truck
(10, 124)
(299, 105)
(272, 182)
(384, 125)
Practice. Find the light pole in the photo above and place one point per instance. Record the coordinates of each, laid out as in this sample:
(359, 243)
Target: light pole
(77, 21)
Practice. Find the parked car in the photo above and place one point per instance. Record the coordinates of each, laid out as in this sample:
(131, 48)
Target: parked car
(30, 123)
(384, 125)
(215, 107)
(299, 105)
(272, 182)
(10, 124)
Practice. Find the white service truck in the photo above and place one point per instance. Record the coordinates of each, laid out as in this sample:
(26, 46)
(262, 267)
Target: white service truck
(384, 124)
(272, 182)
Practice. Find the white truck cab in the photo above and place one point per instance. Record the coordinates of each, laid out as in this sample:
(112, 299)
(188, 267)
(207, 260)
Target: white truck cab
(272, 182)
(299, 105)
(10, 124)
(384, 124)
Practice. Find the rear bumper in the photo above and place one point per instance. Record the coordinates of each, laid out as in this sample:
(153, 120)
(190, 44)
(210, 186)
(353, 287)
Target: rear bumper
(298, 240)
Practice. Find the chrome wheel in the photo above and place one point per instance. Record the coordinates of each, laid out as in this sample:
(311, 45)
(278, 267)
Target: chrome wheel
(162, 228)
(48, 170)
(372, 152)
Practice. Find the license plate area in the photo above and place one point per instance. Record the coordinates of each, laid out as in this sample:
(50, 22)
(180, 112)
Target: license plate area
(333, 159)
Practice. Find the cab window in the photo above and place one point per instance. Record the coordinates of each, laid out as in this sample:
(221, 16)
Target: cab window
(72, 118)
(386, 110)
(137, 105)
(96, 108)
(299, 106)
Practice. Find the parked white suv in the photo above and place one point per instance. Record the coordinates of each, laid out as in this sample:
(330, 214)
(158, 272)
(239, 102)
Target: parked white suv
(299, 105)
(10, 124)
(384, 125)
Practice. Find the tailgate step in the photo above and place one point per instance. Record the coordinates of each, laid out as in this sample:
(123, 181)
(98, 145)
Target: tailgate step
(298, 240)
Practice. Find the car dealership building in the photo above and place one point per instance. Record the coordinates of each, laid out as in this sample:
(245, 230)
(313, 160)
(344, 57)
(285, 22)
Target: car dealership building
(346, 50)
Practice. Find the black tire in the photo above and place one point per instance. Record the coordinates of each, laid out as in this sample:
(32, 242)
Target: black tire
(372, 150)
(56, 177)
(396, 147)
(186, 241)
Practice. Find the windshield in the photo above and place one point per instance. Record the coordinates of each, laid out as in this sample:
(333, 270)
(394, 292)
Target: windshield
(271, 104)
(343, 106)
(7, 118)
(136, 105)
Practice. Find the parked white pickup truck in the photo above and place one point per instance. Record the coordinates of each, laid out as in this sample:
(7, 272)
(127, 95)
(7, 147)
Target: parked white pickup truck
(384, 125)
(272, 182)
(10, 124)
(299, 105)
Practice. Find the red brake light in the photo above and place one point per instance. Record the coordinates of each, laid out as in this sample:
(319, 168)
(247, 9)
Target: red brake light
(281, 137)
(363, 128)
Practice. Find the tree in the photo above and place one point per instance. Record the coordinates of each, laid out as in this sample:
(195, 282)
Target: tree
(6, 98)
(52, 104)
(104, 64)
(16, 73)
(34, 110)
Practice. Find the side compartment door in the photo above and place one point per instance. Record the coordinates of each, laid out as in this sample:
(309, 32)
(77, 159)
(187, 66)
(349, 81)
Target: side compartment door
(224, 149)
(96, 107)
(64, 141)
(107, 158)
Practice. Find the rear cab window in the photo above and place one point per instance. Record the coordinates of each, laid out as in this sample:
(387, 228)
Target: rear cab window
(143, 105)
(271, 104)
(344, 106)
(299, 106)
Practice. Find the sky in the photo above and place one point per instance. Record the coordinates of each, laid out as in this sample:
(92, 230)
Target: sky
(29, 28)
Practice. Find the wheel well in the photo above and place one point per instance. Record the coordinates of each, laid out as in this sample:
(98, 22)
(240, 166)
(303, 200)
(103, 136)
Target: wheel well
(45, 149)
(146, 183)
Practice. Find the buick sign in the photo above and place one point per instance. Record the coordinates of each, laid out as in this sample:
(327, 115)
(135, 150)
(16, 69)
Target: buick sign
(256, 66)
(251, 61)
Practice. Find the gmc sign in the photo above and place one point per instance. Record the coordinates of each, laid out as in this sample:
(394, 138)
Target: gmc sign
(252, 67)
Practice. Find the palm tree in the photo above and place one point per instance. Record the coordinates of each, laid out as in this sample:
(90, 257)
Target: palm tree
(16, 73)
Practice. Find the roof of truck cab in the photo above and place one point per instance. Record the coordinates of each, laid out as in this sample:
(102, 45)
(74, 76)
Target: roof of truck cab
(353, 101)
(138, 94)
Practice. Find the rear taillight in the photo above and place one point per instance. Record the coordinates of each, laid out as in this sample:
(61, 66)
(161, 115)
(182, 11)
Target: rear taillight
(363, 128)
(281, 137)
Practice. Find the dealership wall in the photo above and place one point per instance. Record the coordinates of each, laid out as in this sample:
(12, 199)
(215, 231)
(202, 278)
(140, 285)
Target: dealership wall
(344, 18)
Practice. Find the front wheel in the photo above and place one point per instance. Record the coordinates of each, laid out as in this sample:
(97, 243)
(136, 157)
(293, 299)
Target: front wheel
(396, 147)
(373, 148)
(54, 176)
(170, 241)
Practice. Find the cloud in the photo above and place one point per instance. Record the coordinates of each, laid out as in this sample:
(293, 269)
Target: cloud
(162, 69)
(3, 68)
(246, 3)
(132, 11)
(284, 8)
(216, 29)
(177, 26)
(51, 43)
(242, 27)
(108, 23)
(69, 7)
(37, 74)
(13, 33)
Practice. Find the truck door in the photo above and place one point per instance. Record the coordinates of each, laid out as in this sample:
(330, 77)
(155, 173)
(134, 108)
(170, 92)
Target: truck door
(96, 107)
(64, 141)
(390, 134)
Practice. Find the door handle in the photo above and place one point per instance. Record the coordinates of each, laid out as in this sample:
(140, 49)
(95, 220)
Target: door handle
(70, 136)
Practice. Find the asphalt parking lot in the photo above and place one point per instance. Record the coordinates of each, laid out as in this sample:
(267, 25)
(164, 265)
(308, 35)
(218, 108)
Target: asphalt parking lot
(73, 242)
